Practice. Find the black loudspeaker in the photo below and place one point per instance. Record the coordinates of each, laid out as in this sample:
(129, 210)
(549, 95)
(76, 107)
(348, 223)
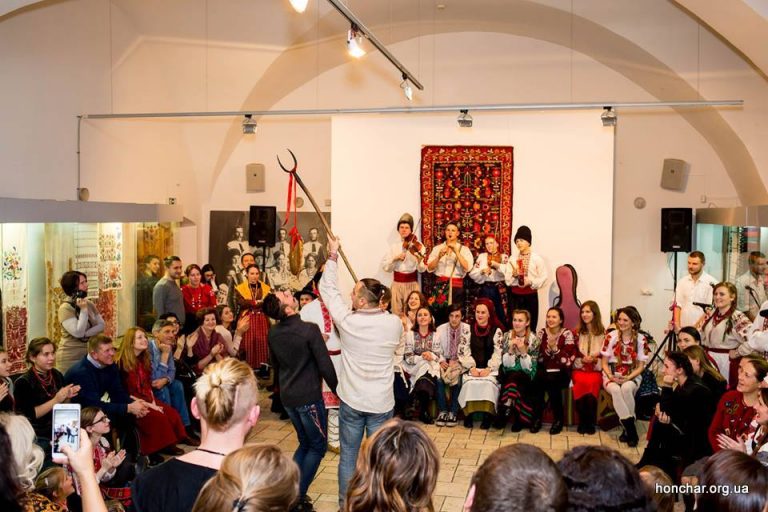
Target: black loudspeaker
(262, 226)
(676, 229)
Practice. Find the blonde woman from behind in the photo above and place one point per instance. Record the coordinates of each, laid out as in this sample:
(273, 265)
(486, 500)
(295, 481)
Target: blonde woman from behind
(225, 402)
(255, 478)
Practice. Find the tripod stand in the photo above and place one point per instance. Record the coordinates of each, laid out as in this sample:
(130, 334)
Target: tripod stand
(671, 337)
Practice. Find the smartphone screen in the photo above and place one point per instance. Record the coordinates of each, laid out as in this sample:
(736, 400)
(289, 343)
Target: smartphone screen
(66, 427)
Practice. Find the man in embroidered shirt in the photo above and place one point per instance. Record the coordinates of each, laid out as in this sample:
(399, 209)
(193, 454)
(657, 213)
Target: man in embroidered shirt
(369, 337)
(450, 261)
(403, 264)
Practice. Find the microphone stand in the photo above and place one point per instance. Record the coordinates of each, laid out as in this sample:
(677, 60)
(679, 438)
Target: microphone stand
(671, 337)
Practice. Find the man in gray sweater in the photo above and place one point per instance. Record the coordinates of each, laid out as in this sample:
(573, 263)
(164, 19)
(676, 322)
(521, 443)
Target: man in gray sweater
(166, 296)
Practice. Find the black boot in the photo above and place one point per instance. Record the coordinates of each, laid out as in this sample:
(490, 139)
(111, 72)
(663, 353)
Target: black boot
(590, 414)
(487, 420)
(502, 416)
(580, 410)
(517, 425)
(631, 432)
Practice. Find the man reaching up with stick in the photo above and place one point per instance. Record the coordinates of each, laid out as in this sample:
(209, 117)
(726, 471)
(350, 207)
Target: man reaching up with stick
(369, 338)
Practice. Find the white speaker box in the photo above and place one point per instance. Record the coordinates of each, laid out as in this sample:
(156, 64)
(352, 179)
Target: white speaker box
(254, 178)
(674, 175)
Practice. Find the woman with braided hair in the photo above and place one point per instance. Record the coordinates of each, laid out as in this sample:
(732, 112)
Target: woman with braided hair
(255, 478)
(724, 332)
(624, 354)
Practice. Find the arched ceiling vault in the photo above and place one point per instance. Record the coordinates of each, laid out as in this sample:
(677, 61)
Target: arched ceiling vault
(296, 66)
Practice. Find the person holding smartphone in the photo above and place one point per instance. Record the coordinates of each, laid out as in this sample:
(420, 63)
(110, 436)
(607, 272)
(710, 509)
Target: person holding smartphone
(79, 320)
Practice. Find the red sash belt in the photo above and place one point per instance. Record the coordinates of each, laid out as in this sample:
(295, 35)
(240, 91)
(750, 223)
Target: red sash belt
(402, 277)
(334, 352)
(523, 290)
(719, 350)
(456, 282)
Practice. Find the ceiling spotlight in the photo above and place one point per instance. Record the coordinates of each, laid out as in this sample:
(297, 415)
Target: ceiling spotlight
(299, 5)
(249, 125)
(608, 117)
(355, 42)
(464, 119)
(407, 89)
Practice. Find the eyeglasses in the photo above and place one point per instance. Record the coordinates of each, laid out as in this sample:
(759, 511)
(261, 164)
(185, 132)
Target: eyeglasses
(104, 419)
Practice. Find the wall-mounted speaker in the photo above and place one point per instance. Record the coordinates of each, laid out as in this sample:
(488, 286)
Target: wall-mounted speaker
(262, 226)
(674, 174)
(676, 229)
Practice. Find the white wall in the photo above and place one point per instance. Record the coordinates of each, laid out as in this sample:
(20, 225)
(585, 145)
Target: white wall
(562, 185)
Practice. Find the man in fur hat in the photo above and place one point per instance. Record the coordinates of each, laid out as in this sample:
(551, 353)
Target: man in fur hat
(402, 259)
(526, 274)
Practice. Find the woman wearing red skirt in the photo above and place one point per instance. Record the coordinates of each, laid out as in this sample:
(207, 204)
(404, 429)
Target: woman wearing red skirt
(587, 376)
(162, 427)
(249, 297)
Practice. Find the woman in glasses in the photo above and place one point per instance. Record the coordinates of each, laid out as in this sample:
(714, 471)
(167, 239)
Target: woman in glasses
(106, 462)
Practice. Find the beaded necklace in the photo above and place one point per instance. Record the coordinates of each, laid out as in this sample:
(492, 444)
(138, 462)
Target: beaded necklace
(48, 384)
(480, 333)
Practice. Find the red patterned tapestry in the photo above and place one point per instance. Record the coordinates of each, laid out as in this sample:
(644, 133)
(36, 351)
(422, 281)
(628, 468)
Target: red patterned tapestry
(468, 185)
(472, 187)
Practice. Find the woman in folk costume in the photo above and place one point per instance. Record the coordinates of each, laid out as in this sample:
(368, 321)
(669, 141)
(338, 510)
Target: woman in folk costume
(553, 375)
(415, 301)
(587, 377)
(724, 332)
(316, 312)
(488, 272)
(519, 360)
(623, 357)
(421, 360)
(403, 259)
(450, 261)
(526, 274)
(249, 297)
(480, 389)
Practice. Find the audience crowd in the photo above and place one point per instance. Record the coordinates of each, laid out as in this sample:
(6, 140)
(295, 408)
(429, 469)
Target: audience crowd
(351, 377)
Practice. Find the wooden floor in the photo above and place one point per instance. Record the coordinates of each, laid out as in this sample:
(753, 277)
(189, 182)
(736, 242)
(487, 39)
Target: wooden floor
(461, 449)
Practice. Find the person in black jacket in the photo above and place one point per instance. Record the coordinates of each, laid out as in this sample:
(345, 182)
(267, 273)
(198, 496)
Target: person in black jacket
(679, 435)
(301, 362)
